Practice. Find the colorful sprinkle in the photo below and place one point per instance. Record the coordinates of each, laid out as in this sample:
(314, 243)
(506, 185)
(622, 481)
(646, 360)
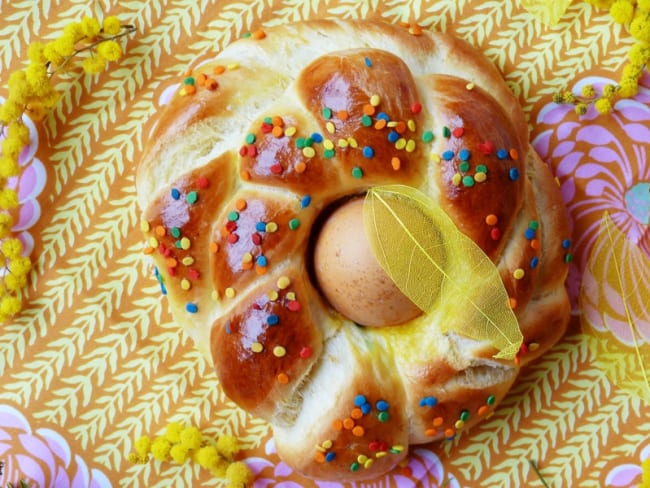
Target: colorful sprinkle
(468, 181)
(446, 132)
(327, 113)
(480, 177)
(357, 172)
(283, 282)
(448, 155)
(534, 262)
(279, 351)
(427, 136)
(458, 132)
(464, 154)
(416, 108)
(175, 194)
(282, 378)
(192, 308)
(368, 152)
(294, 224)
(502, 154)
(273, 319)
(257, 347)
(513, 174)
(375, 100)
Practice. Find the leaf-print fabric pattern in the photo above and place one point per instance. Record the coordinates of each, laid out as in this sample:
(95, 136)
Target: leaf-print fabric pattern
(94, 360)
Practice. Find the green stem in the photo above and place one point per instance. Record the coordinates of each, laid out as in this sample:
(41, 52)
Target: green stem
(536, 469)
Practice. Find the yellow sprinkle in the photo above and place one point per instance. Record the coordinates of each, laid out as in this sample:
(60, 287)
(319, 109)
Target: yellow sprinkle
(230, 292)
(145, 226)
(410, 145)
(518, 274)
(533, 346)
(321, 448)
(398, 448)
(182, 92)
(459, 424)
(330, 127)
(381, 454)
(374, 100)
(233, 66)
(283, 282)
(256, 347)
(185, 243)
(271, 227)
(188, 261)
(401, 143)
(308, 152)
(352, 142)
(327, 444)
(456, 179)
(272, 295)
(291, 295)
(328, 144)
(470, 86)
(435, 157)
(342, 143)
(153, 242)
(185, 284)
(392, 123)
(279, 351)
(411, 125)
(247, 258)
(362, 458)
(480, 177)
(368, 463)
(290, 131)
(214, 295)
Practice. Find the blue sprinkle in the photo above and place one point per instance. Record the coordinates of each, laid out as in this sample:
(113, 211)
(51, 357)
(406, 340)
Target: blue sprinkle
(260, 227)
(502, 154)
(530, 234)
(366, 408)
(431, 401)
(382, 405)
(316, 137)
(513, 174)
(306, 200)
(273, 320)
(534, 262)
(191, 308)
(368, 62)
(261, 261)
(176, 195)
(448, 155)
(228, 329)
(383, 115)
(393, 136)
(566, 244)
(368, 152)
(464, 154)
(359, 400)
(329, 457)
(161, 282)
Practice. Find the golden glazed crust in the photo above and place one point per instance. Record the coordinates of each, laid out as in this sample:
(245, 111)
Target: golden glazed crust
(248, 159)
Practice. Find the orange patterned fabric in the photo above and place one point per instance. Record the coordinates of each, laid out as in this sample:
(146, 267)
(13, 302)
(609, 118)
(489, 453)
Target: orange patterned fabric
(94, 360)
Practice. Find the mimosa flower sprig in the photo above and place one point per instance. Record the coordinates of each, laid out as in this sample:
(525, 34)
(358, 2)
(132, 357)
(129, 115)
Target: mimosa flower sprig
(634, 15)
(31, 93)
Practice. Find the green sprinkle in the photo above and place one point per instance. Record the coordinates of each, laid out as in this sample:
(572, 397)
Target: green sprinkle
(468, 181)
(176, 232)
(327, 113)
(366, 121)
(189, 80)
(192, 197)
(309, 142)
(533, 225)
(233, 216)
(427, 136)
(481, 168)
(250, 138)
(328, 153)
(294, 224)
(300, 142)
(464, 415)
(491, 400)
(464, 166)
(568, 257)
(268, 120)
(357, 172)
(355, 467)
(246, 34)
(446, 132)
(383, 416)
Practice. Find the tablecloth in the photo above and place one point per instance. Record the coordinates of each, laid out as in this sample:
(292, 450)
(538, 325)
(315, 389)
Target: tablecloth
(94, 360)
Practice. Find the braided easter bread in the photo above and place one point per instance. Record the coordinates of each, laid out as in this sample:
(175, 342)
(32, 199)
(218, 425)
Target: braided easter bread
(248, 190)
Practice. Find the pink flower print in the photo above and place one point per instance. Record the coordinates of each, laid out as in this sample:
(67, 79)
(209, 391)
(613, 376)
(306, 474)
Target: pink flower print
(30, 185)
(426, 469)
(627, 475)
(602, 165)
(42, 457)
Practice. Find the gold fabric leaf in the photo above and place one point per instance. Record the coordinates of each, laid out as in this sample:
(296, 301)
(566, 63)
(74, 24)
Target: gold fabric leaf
(548, 12)
(437, 266)
(614, 301)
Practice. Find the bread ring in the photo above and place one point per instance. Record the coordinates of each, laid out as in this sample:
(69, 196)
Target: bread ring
(265, 139)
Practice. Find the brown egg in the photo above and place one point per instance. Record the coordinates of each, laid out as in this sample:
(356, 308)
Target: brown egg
(349, 275)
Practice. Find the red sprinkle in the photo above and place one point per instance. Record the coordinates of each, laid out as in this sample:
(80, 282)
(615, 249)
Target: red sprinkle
(243, 151)
(232, 238)
(276, 169)
(486, 148)
(252, 151)
(306, 352)
(458, 132)
(416, 108)
(266, 128)
(294, 305)
(193, 274)
(231, 226)
(374, 446)
(202, 182)
(495, 233)
(257, 239)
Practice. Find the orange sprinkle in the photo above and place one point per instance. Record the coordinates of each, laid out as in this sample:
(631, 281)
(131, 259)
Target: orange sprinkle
(219, 69)
(188, 72)
(301, 167)
(190, 89)
(430, 432)
(400, 128)
(276, 120)
(348, 424)
(368, 109)
(148, 250)
(245, 175)
(201, 79)
(514, 154)
(261, 270)
(214, 247)
(171, 262)
(396, 163)
(258, 34)
(483, 409)
(491, 219)
(342, 115)
(534, 243)
(160, 231)
(277, 131)
(225, 232)
(283, 379)
(358, 431)
(248, 265)
(380, 124)
(450, 432)
(406, 471)
(211, 84)
(438, 421)
(356, 413)
(512, 302)
(404, 24)
(241, 204)
(415, 29)
(319, 457)
(337, 425)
